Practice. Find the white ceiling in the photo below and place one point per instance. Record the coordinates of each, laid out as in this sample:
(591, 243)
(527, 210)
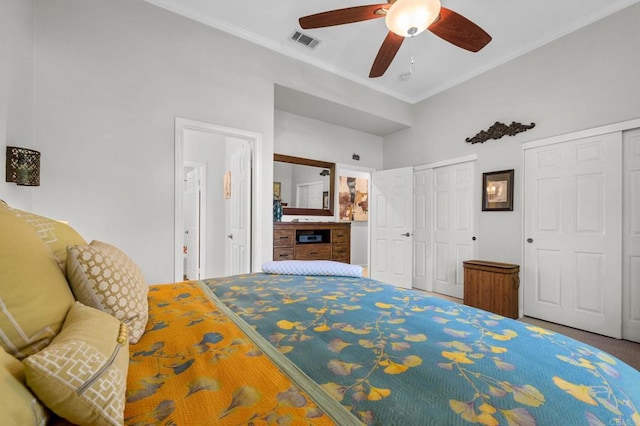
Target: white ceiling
(517, 26)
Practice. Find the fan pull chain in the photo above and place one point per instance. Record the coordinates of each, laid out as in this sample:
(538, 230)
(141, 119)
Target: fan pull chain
(407, 75)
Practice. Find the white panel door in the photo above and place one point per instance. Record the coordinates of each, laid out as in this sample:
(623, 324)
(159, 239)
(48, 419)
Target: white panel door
(192, 224)
(572, 253)
(631, 238)
(422, 234)
(238, 242)
(391, 224)
(309, 195)
(454, 226)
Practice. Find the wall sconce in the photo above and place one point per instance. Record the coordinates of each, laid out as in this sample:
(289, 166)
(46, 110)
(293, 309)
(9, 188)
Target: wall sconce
(23, 166)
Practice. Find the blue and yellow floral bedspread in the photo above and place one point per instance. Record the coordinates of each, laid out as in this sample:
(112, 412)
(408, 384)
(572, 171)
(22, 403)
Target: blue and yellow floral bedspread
(403, 357)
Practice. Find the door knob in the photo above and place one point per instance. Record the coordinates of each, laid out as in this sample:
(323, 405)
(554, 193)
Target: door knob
(529, 240)
(406, 234)
(230, 236)
(473, 238)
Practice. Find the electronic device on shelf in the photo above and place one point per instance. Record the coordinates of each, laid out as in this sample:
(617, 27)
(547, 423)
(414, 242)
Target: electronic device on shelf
(310, 238)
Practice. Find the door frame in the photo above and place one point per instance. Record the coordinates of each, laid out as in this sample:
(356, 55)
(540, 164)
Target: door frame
(255, 142)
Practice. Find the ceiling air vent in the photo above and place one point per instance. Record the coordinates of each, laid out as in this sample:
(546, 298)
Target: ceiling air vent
(308, 41)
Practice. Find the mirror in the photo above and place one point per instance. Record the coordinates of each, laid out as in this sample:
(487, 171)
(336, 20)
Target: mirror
(304, 186)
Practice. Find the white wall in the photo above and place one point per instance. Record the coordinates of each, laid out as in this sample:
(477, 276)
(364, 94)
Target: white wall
(111, 76)
(308, 138)
(16, 91)
(583, 80)
(283, 173)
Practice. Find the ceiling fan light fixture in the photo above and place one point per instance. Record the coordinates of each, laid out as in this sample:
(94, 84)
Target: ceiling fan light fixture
(408, 18)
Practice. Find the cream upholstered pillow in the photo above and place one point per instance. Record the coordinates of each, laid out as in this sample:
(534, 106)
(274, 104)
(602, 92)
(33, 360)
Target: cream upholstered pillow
(34, 294)
(82, 375)
(18, 406)
(56, 235)
(105, 278)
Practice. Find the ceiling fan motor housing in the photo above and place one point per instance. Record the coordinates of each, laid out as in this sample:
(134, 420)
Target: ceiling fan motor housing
(408, 18)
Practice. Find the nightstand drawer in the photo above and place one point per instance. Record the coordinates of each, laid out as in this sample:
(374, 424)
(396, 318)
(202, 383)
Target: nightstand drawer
(283, 253)
(283, 237)
(313, 252)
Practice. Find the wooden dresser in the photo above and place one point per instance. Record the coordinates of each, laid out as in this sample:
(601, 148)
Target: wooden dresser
(492, 286)
(312, 241)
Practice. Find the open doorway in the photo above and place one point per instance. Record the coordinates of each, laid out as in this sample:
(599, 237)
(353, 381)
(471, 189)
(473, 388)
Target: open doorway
(213, 200)
(346, 200)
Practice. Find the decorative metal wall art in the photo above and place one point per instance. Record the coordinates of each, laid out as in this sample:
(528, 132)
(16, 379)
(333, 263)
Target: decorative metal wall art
(499, 130)
(23, 166)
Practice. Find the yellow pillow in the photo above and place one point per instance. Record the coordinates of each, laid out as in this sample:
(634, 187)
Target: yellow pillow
(82, 375)
(18, 406)
(57, 235)
(34, 293)
(103, 277)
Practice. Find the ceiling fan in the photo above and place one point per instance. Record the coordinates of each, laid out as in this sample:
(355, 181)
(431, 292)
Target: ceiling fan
(405, 18)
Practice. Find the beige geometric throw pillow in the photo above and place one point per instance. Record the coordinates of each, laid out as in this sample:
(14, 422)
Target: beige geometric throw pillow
(82, 375)
(34, 294)
(103, 277)
(18, 406)
(56, 235)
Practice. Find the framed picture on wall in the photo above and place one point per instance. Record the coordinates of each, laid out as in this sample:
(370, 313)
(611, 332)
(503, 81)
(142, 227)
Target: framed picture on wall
(497, 191)
(353, 198)
(277, 186)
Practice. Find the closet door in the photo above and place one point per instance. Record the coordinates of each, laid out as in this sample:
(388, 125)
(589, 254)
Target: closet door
(572, 227)
(631, 238)
(454, 225)
(423, 229)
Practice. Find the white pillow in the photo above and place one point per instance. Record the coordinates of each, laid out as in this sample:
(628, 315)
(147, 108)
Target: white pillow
(312, 267)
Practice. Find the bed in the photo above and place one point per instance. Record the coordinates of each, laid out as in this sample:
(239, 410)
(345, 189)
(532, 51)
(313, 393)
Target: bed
(394, 356)
(308, 347)
(388, 356)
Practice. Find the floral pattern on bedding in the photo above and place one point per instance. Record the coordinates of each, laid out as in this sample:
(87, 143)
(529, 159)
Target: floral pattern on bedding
(193, 366)
(403, 357)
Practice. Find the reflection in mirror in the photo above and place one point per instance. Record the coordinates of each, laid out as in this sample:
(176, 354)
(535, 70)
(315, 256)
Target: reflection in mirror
(301, 186)
(304, 186)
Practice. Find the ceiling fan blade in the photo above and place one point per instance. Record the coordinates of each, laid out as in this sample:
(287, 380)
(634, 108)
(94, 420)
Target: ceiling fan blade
(387, 52)
(342, 16)
(458, 30)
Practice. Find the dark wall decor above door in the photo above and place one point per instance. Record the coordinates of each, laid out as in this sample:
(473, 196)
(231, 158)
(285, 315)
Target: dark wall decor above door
(499, 130)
